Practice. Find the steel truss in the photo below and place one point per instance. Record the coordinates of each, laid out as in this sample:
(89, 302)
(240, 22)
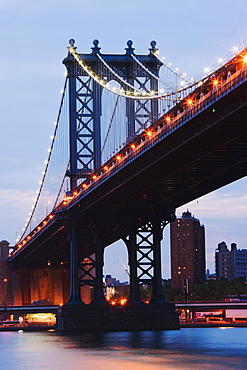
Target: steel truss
(85, 96)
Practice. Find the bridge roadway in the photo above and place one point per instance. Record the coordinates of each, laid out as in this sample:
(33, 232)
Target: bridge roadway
(194, 149)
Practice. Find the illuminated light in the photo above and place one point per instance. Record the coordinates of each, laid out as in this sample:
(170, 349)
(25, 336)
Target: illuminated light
(149, 133)
(55, 123)
(44, 222)
(62, 91)
(94, 177)
(235, 49)
(127, 92)
(143, 93)
(29, 237)
(123, 302)
(152, 92)
(49, 150)
(5, 280)
(106, 168)
(215, 82)
(50, 216)
(200, 83)
(206, 70)
(118, 157)
(84, 185)
(38, 228)
(46, 162)
(61, 263)
(75, 193)
(168, 119)
(220, 60)
(49, 263)
(135, 93)
(113, 303)
(60, 304)
(162, 91)
(132, 146)
(189, 102)
(51, 330)
(245, 59)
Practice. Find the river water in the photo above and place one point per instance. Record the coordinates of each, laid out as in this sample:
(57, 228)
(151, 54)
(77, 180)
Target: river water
(188, 348)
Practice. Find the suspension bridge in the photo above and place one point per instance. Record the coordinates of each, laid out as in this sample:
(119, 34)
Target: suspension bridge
(133, 140)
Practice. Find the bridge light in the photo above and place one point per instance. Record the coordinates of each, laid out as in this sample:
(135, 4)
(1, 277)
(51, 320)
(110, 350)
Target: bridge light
(220, 60)
(206, 70)
(215, 82)
(94, 177)
(118, 157)
(245, 59)
(149, 133)
(50, 216)
(84, 185)
(132, 146)
(189, 102)
(105, 168)
(168, 119)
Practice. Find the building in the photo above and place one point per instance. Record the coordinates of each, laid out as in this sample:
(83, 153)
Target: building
(5, 275)
(187, 237)
(231, 263)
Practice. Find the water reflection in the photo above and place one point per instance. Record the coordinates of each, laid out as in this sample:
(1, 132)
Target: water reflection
(192, 348)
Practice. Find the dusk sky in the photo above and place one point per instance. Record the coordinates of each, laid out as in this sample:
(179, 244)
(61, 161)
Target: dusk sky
(34, 36)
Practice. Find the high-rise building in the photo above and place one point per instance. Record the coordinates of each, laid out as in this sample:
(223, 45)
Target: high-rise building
(231, 263)
(187, 237)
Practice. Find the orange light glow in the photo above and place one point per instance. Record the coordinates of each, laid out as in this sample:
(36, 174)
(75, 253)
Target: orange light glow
(113, 303)
(132, 146)
(38, 228)
(168, 119)
(44, 222)
(50, 216)
(245, 59)
(123, 302)
(84, 185)
(118, 157)
(5, 280)
(149, 133)
(94, 177)
(215, 82)
(189, 102)
(105, 168)
(75, 193)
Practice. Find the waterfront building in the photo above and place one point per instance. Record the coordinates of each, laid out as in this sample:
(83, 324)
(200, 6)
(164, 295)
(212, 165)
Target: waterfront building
(231, 263)
(5, 275)
(187, 237)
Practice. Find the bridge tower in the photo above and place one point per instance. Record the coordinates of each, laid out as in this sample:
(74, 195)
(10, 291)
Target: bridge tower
(85, 101)
(142, 237)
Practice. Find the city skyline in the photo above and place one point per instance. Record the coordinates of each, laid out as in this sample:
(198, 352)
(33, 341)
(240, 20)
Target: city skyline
(34, 42)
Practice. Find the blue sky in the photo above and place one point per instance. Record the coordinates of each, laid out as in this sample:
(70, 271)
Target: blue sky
(34, 38)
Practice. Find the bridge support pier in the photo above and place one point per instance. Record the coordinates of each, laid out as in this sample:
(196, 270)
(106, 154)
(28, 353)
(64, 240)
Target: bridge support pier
(143, 245)
(144, 249)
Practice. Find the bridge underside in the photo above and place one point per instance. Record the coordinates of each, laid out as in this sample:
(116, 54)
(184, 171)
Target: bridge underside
(204, 154)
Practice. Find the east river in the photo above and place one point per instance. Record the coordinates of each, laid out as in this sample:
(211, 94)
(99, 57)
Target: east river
(188, 348)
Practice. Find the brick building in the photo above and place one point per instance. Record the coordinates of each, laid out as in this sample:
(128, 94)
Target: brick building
(187, 237)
